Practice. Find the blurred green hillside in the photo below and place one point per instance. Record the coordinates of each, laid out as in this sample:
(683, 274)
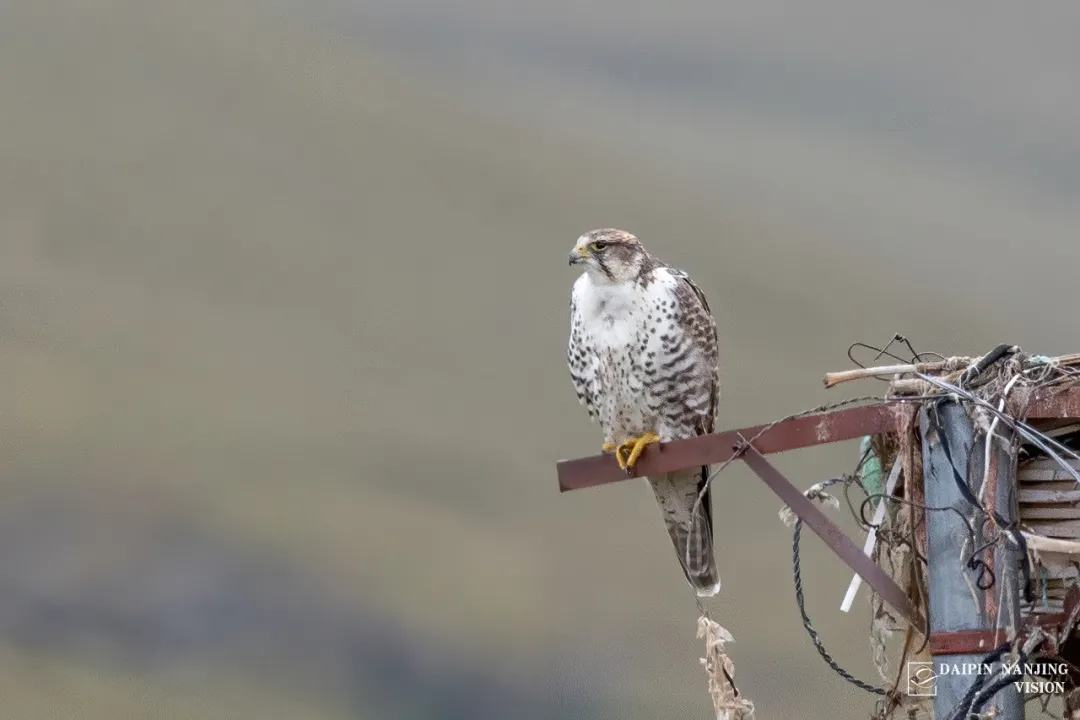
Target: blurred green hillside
(282, 329)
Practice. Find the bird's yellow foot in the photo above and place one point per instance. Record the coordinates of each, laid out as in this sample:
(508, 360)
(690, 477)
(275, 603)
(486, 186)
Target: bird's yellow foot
(609, 447)
(628, 453)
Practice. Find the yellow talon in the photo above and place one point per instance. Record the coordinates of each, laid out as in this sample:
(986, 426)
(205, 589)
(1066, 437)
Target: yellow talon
(610, 447)
(633, 449)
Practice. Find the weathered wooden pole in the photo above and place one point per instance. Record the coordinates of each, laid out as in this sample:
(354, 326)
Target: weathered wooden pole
(956, 614)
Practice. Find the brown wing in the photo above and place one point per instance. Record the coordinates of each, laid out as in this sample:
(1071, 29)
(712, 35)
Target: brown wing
(699, 320)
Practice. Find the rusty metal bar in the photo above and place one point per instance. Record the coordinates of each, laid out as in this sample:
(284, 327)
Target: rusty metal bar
(833, 536)
(964, 642)
(1062, 404)
(794, 434)
(715, 449)
(981, 642)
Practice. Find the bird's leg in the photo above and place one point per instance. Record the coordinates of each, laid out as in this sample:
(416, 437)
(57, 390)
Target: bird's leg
(633, 449)
(609, 447)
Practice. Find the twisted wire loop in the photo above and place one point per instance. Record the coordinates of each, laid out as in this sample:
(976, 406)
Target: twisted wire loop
(814, 637)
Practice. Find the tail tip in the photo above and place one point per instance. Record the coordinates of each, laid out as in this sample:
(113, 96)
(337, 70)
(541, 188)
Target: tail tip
(709, 591)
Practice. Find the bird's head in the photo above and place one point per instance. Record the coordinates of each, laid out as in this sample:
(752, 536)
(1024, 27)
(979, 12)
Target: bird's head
(609, 256)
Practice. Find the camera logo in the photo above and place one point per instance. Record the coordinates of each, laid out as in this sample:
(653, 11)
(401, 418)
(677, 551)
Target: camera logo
(921, 679)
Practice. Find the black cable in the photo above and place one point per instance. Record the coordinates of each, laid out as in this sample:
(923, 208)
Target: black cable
(963, 709)
(884, 352)
(814, 637)
(880, 353)
(974, 563)
(991, 358)
(987, 693)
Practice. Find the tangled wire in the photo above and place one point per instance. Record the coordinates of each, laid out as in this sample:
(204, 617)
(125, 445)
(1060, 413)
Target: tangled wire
(996, 391)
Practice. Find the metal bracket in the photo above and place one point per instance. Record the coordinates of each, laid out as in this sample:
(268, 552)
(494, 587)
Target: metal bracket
(833, 536)
(965, 642)
(975, 642)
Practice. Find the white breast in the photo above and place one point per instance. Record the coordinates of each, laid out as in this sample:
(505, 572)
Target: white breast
(612, 313)
(616, 319)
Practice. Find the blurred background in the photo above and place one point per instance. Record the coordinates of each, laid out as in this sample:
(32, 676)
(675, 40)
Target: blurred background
(284, 313)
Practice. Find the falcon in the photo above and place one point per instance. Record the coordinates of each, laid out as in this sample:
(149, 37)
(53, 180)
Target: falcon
(643, 357)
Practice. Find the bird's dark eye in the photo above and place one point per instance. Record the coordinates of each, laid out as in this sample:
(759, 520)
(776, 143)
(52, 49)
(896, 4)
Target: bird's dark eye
(598, 246)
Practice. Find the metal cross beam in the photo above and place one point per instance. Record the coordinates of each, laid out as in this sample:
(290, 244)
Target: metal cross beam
(719, 448)
(794, 434)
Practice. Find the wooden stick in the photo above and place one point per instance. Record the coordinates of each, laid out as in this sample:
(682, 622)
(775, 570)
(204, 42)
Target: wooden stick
(909, 386)
(1073, 359)
(1045, 544)
(835, 378)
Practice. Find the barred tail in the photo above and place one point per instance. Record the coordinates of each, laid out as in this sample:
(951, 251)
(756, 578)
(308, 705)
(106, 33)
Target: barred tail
(691, 532)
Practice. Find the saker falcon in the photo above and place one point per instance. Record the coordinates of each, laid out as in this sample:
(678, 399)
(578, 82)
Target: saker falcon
(643, 358)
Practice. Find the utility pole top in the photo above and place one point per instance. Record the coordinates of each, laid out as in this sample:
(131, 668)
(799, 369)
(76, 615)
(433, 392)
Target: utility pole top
(946, 460)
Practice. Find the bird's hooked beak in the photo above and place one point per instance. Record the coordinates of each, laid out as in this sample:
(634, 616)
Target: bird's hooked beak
(578, 256)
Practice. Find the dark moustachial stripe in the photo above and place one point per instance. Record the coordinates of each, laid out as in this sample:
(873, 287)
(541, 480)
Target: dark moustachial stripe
(603, 266)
